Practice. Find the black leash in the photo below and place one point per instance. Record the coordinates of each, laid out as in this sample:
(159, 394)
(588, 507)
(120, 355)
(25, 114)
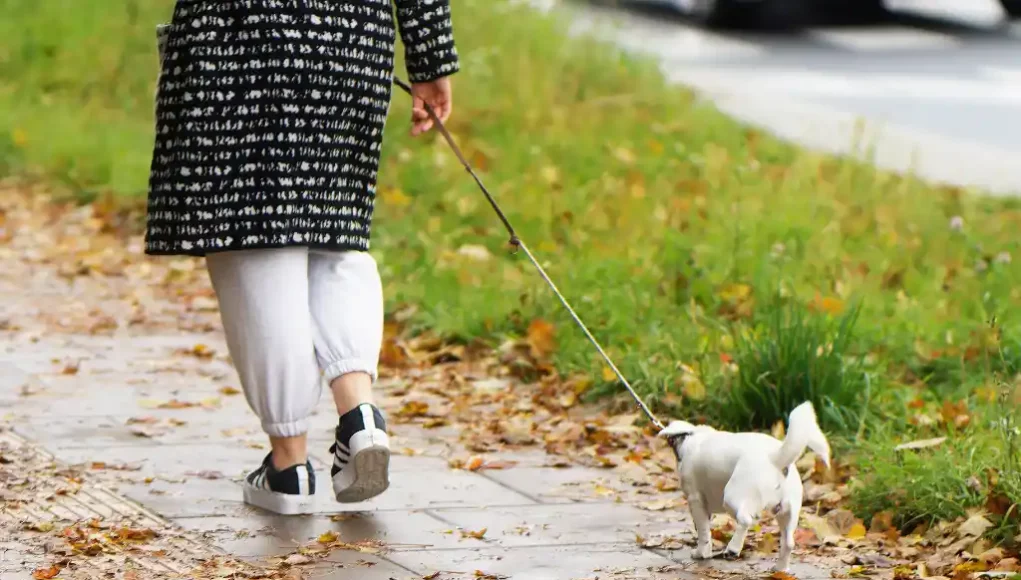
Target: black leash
(516, 243)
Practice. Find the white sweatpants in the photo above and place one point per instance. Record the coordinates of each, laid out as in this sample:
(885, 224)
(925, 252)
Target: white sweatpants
(296, 319)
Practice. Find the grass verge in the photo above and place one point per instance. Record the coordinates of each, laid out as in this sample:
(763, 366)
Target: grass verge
(671, 227)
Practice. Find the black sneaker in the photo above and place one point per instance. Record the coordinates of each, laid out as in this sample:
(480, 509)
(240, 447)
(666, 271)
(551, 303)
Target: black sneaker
(361, 455)
(288, 492)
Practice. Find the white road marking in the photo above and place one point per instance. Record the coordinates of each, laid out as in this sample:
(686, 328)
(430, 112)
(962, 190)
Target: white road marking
(669, 40)
(883, 39)
(975, 12)
(1010, 76)
(800, 83)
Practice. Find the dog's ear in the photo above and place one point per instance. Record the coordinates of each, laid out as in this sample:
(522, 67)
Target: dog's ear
(677, 428)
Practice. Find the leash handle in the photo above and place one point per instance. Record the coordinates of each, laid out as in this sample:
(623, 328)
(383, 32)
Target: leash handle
(516, 243)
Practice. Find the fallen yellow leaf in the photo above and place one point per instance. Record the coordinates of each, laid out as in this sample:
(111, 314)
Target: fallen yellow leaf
(328, 537)
(395, 197)
(857, 532)
(20, 138)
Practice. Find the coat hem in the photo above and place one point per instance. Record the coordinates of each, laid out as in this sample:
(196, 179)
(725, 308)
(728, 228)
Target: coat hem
(203, 252)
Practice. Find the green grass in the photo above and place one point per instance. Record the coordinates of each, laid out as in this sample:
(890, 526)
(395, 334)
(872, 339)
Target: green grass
(669, 226)
(793, 357)
(944, 482)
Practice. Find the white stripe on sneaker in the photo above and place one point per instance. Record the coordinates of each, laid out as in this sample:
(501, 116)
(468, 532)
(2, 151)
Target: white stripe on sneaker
(367, 419)
(302, 473)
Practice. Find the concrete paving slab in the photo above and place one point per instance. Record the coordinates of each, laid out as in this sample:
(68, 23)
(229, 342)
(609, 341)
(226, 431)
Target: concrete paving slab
(542, 563)
(550, 525)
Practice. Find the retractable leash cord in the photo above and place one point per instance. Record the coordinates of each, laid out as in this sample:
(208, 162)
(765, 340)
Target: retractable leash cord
(517, 243)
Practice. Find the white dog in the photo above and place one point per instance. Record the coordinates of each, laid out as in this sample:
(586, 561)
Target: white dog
(745, 474)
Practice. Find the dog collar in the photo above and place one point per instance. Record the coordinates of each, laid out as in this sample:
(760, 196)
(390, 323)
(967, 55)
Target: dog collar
(675, 442)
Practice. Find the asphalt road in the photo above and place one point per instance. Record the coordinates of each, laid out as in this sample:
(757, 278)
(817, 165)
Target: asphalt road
(936, 89)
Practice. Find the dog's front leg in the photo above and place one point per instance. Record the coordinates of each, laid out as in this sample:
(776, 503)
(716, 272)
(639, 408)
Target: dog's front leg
(736, 544)
(703, 529)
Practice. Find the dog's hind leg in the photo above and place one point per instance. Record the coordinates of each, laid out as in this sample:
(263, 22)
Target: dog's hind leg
(788, 525)
(703, 529)
(788, 521)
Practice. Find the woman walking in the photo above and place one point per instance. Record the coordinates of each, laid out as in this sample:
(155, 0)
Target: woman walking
(269, 121)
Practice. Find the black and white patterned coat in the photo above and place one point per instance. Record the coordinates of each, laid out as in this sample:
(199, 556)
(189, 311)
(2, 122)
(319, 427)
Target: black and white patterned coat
(270, 115)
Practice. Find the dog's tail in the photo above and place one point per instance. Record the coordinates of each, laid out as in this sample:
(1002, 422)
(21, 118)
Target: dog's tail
(803, 431)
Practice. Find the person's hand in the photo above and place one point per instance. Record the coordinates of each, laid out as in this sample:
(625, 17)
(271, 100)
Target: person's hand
(437, 94)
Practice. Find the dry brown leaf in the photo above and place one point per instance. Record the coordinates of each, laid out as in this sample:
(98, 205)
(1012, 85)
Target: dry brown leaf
(412, 409)
(229, 391)
(999, 504)
(541, 338)
(477, 535)
(842, 520)
(803, 537)
(394, 354)
(644, 542)
(778, 430)
(144, 432)
(975, 526)
(502, 464)
(485, 576)
(210, 475)
(1008, 565)
(660, 504)
(297, 559)
(768, 544)
(822, 528)
(176, 404)
(955, 413)
(146, 420)
(46, 573)
(881, 522)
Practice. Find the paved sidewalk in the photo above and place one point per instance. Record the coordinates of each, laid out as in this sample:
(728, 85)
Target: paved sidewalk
(110, 404)
(116, 365)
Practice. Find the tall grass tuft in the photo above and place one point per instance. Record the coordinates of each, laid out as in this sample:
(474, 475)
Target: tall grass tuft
(792, 357)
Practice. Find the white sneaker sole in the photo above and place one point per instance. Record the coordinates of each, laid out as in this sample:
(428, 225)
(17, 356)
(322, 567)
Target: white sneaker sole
(367, 474)
(281, 503)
